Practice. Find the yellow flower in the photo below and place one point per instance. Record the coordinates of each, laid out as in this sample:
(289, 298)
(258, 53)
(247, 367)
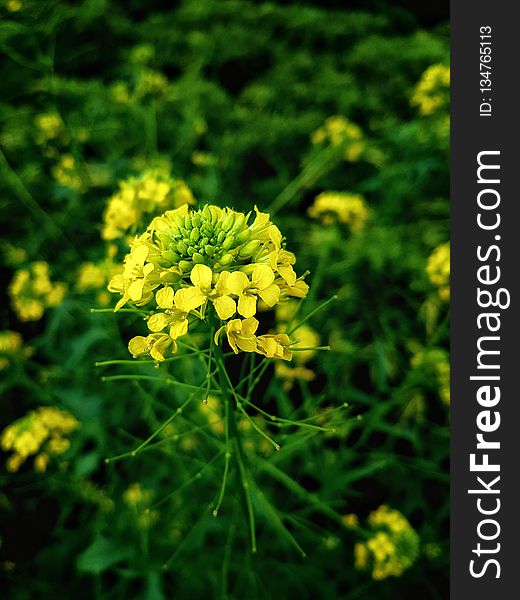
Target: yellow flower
(42, 432)
(431, 94)
(155, 344)
(339, 131)
(139, 197)
(190, 298)
(438, 270)
(349, 209)
(196, 264)
(240, 334)
(32, 291)
(392, 547)
(274, 345)
(248, 291)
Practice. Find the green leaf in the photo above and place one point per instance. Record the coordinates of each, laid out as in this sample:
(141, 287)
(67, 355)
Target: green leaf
(100, 555)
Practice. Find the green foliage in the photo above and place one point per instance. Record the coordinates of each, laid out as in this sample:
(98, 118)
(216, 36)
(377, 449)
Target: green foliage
(228, 94)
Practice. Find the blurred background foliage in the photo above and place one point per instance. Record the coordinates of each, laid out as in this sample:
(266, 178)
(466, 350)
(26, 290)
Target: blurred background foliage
(333, 117)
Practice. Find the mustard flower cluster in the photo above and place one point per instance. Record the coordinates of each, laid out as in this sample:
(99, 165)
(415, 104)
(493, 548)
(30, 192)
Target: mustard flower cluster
(41, 433)
(339, 131)
(438, 270)
(349, 209)
(11, 347)
(392, 545)
(209, 264)
(140, 198)
(32, 291)
(431, 94)
(67, 173)
(49, 126)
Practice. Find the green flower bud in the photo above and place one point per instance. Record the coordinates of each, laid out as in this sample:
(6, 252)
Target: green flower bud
(197, 258)
(170, 256)
(194, 235)
(191, 251)
(182, 248)
(196, 220)
(209, 250)
(226, 260)
(249, 249)
(228, 243)
(220, 238)
(242, 237)
(185, 266)
(240, 221)
(228, 222)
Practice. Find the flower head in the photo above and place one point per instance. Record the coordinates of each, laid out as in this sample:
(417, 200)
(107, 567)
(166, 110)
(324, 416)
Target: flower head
(32, 291)
(392, 545)
(42, 432)
(213, 265)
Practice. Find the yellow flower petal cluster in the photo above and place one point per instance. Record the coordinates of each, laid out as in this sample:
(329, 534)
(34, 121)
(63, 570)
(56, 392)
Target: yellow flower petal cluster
(41, 433)
(209, 263)
(391, 547)
(339, 131)
(11, 346)
(140, 198)
(67, 173)
(438, 270)
(349, 209)
(32, 291)
(431, 94)
(49, 126)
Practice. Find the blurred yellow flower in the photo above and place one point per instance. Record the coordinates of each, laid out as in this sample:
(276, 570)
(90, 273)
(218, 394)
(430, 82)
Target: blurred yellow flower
(438, 270)
(431, 94)
(349, 209)
(392, 545)
(41, 432)
(32, 291)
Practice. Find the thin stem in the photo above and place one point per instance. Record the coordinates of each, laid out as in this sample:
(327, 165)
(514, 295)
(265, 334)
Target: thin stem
(143, 445)
(227, 456)
(312, 313)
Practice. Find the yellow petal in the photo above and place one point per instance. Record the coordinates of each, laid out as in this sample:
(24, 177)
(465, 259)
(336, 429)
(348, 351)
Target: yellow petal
(138, 346)
(247, 306)
(288, 273)
(262, 276)
(164, 297)
(189, 298)
(225, 307)
(249, 326)
(201, 276)
(237, 282)
(179, 328)
(139, 254)
(135, 289)
(270, 295)
(160, 346)
(157, 322)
